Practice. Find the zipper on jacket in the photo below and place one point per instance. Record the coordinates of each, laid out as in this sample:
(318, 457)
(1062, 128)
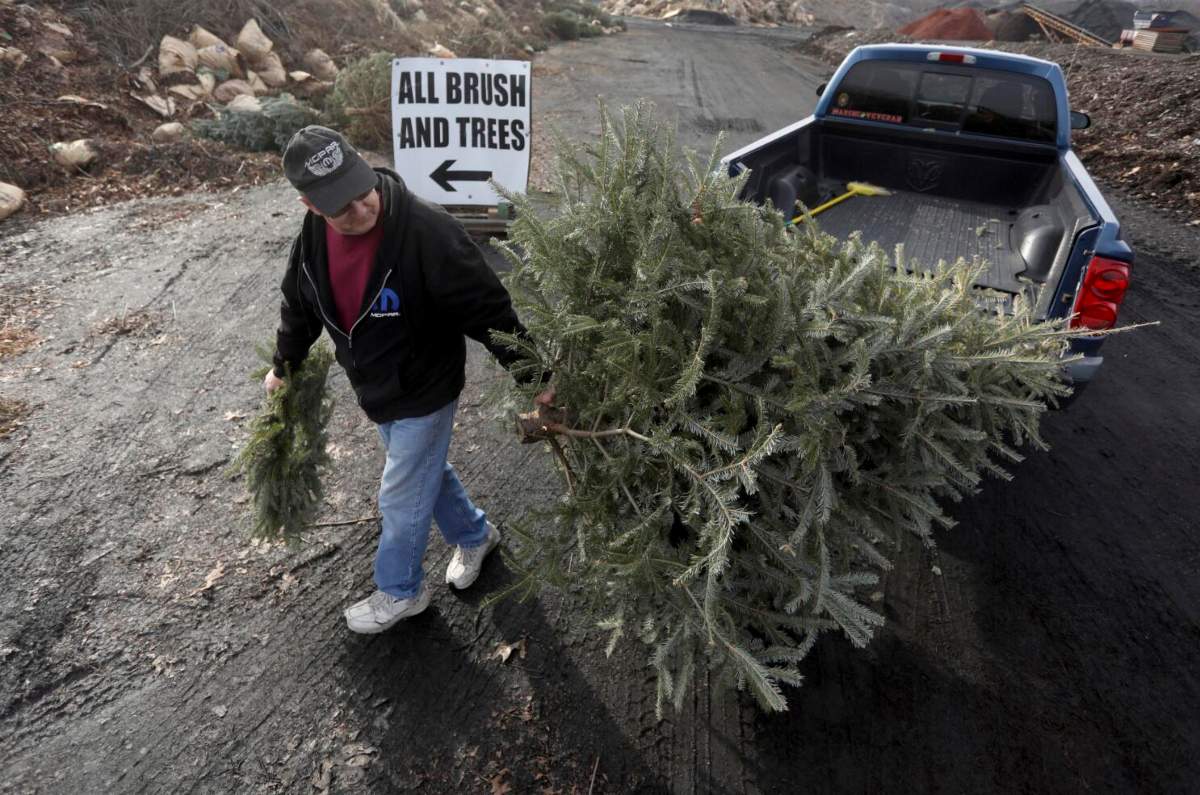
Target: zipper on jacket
(317, 293)
(348, 335)
(382, 285)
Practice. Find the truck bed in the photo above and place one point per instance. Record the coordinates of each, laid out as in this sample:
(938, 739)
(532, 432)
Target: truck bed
(1016, 210)
(934, 229)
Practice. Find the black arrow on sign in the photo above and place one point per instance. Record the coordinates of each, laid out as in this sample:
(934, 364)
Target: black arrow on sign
(442, 176)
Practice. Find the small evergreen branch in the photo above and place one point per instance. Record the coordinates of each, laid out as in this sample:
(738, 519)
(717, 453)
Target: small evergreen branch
(285, 455)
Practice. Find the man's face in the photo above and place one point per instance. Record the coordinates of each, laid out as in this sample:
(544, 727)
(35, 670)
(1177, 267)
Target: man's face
(356, 218)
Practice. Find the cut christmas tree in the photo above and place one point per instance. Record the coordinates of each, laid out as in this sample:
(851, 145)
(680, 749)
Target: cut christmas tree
(754, 417)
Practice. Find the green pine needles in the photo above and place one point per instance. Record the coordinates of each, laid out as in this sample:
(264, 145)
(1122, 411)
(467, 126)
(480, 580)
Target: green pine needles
(268, 129)
(285, 455)
(757, 417)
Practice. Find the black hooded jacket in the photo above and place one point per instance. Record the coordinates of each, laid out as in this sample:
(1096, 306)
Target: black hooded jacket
(430, 285)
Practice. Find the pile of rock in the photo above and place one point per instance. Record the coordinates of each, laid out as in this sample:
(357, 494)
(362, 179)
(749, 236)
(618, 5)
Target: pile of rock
(205, 68)
(1007, 25)
(1105, 18)
(12, 199)
(757, 12)
(950, 24)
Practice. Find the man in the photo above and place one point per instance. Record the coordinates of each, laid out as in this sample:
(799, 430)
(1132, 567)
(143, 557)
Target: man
(397, 282)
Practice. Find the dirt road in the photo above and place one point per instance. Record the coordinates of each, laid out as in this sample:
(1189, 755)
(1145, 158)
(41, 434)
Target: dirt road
(145, 647)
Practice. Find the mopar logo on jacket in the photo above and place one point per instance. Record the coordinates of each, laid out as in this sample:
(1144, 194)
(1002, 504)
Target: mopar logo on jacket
(387, 304)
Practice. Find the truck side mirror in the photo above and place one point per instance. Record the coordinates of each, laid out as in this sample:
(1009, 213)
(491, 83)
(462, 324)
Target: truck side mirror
(821, 89)
(1080, 120)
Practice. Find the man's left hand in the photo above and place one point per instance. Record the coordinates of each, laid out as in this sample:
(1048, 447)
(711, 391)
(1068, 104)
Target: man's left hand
(271, 382)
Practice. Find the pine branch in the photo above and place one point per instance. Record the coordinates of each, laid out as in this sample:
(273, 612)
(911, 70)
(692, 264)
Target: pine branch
(286, 452)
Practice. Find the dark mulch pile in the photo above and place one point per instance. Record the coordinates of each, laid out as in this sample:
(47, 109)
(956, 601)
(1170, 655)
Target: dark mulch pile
(130, 169)
(66, 90)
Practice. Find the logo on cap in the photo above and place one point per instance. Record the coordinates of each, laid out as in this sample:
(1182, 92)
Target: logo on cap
(325, 161)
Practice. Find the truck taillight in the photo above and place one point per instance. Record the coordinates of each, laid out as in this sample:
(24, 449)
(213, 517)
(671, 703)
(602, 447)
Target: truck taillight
(950, 57)
(1101, 293)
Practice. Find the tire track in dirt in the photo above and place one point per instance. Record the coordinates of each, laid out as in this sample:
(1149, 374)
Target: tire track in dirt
(36, 634)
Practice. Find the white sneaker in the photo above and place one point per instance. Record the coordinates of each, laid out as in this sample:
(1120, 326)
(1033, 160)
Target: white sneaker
(380, 611)
(465, 564)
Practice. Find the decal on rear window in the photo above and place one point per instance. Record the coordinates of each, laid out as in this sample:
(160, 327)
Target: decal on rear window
(869, 115)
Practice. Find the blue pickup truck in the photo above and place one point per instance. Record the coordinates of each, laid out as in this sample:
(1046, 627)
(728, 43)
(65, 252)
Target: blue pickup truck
(974, 147)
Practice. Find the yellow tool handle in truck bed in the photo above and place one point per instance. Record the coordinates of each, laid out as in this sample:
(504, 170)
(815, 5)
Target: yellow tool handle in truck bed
(852, 189)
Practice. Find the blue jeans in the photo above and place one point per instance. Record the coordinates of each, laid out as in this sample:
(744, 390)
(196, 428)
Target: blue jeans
(419, 485)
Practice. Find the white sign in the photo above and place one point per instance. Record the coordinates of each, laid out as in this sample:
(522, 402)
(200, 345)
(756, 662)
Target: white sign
(458, 122)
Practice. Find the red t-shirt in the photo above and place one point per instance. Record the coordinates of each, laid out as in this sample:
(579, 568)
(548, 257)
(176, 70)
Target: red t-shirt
(351, 258)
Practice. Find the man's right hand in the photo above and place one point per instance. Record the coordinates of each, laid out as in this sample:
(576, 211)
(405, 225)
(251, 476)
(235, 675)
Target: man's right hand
(272, 382)
(545, 399)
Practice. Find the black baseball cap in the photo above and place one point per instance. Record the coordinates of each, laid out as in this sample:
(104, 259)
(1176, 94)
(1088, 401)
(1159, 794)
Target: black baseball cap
(322, 165)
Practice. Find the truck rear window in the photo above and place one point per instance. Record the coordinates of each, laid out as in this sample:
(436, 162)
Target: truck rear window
(980, 101)
(940, 97)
